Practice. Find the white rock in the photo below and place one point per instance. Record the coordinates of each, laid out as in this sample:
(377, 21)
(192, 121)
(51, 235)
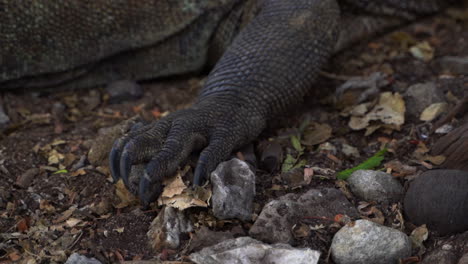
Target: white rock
(376, 186)
(247, 250)
(368, 242)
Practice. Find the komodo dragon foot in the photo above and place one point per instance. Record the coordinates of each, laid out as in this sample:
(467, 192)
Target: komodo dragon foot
(166, 144)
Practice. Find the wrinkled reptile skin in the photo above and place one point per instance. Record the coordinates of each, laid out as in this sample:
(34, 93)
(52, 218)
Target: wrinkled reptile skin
(269, 54)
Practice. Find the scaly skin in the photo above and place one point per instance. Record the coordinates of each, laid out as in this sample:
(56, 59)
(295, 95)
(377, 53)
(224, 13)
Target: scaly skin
(273, 50)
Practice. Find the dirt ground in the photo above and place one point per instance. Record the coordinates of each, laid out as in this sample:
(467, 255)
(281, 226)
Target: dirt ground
(58, 209)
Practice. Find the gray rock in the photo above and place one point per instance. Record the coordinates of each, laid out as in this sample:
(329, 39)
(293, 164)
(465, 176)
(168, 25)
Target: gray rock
(463, 259)
(421, 95)
(4, 119)
(233, 190)
(205, 237)
(76, 258)
(247, 250)
(376, 186)
(167, 227)
(439, 199)
(448, 250)
(124, 90)
(277, 218)
(455, 65)
(440, 255)
(369, 242)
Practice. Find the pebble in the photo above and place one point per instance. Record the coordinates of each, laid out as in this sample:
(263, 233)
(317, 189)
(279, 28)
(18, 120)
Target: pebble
(275, 222)
(350, 151)
(367, 242)
(167, 227)
(123, 90)
(4, 119)
(448, 250)
(439, 199)
(376, 186)
(27, 177)
(233, 190)
(76, 258)
(247, 250)
(421, 95)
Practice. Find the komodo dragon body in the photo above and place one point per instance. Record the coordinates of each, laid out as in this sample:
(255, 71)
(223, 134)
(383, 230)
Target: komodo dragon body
(268, 53)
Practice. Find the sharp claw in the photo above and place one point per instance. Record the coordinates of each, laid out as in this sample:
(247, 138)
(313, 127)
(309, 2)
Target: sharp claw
(148, 192)
(114, 163)
(125, 166)
(200, 173)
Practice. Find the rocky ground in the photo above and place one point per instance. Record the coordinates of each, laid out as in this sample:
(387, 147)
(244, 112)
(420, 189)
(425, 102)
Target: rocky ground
(57, 197)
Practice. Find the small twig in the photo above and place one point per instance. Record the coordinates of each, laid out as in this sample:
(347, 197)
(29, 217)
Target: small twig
(76, 240)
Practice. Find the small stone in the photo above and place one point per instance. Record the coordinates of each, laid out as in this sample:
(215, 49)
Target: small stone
(368, 242)
(26, 179)
(247, 250)
(350, 151)
(233, 190)
(440, 256)
(76, 258)
(124, 90)
(421, 95)
(447, 250)
(275, 222)
(439, 199)
(376, 186)
(205, 237)
(455, 65)
(167, 227)
(4, 119)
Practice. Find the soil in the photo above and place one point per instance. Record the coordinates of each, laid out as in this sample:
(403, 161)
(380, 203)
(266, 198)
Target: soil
(60, 210)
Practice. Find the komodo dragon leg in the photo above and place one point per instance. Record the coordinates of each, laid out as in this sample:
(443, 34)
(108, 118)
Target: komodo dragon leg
(270, 65)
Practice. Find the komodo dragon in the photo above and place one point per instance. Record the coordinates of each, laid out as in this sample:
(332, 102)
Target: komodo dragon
(268, 54)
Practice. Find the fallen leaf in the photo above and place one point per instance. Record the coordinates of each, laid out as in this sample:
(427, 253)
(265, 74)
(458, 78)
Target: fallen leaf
(65, 215)
(126, 197)
(72, 222)
(174, 187)
(368, 164)
(119, 230)
(418, 236)
(433, 111)
(23, 225)
(316, 133)
(422, 51)
(389, 111)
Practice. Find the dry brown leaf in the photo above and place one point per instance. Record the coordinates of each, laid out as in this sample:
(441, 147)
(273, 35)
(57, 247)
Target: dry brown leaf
(436, 160)
(422, 51)
(126, 197)
(72, 222)
(65, 215)
(54, 157)
(316, 133)
(174, 187)
(400, 169)
(418, 236)
(308, 175)
(389, 111)
(78, 172)
(433, 111)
